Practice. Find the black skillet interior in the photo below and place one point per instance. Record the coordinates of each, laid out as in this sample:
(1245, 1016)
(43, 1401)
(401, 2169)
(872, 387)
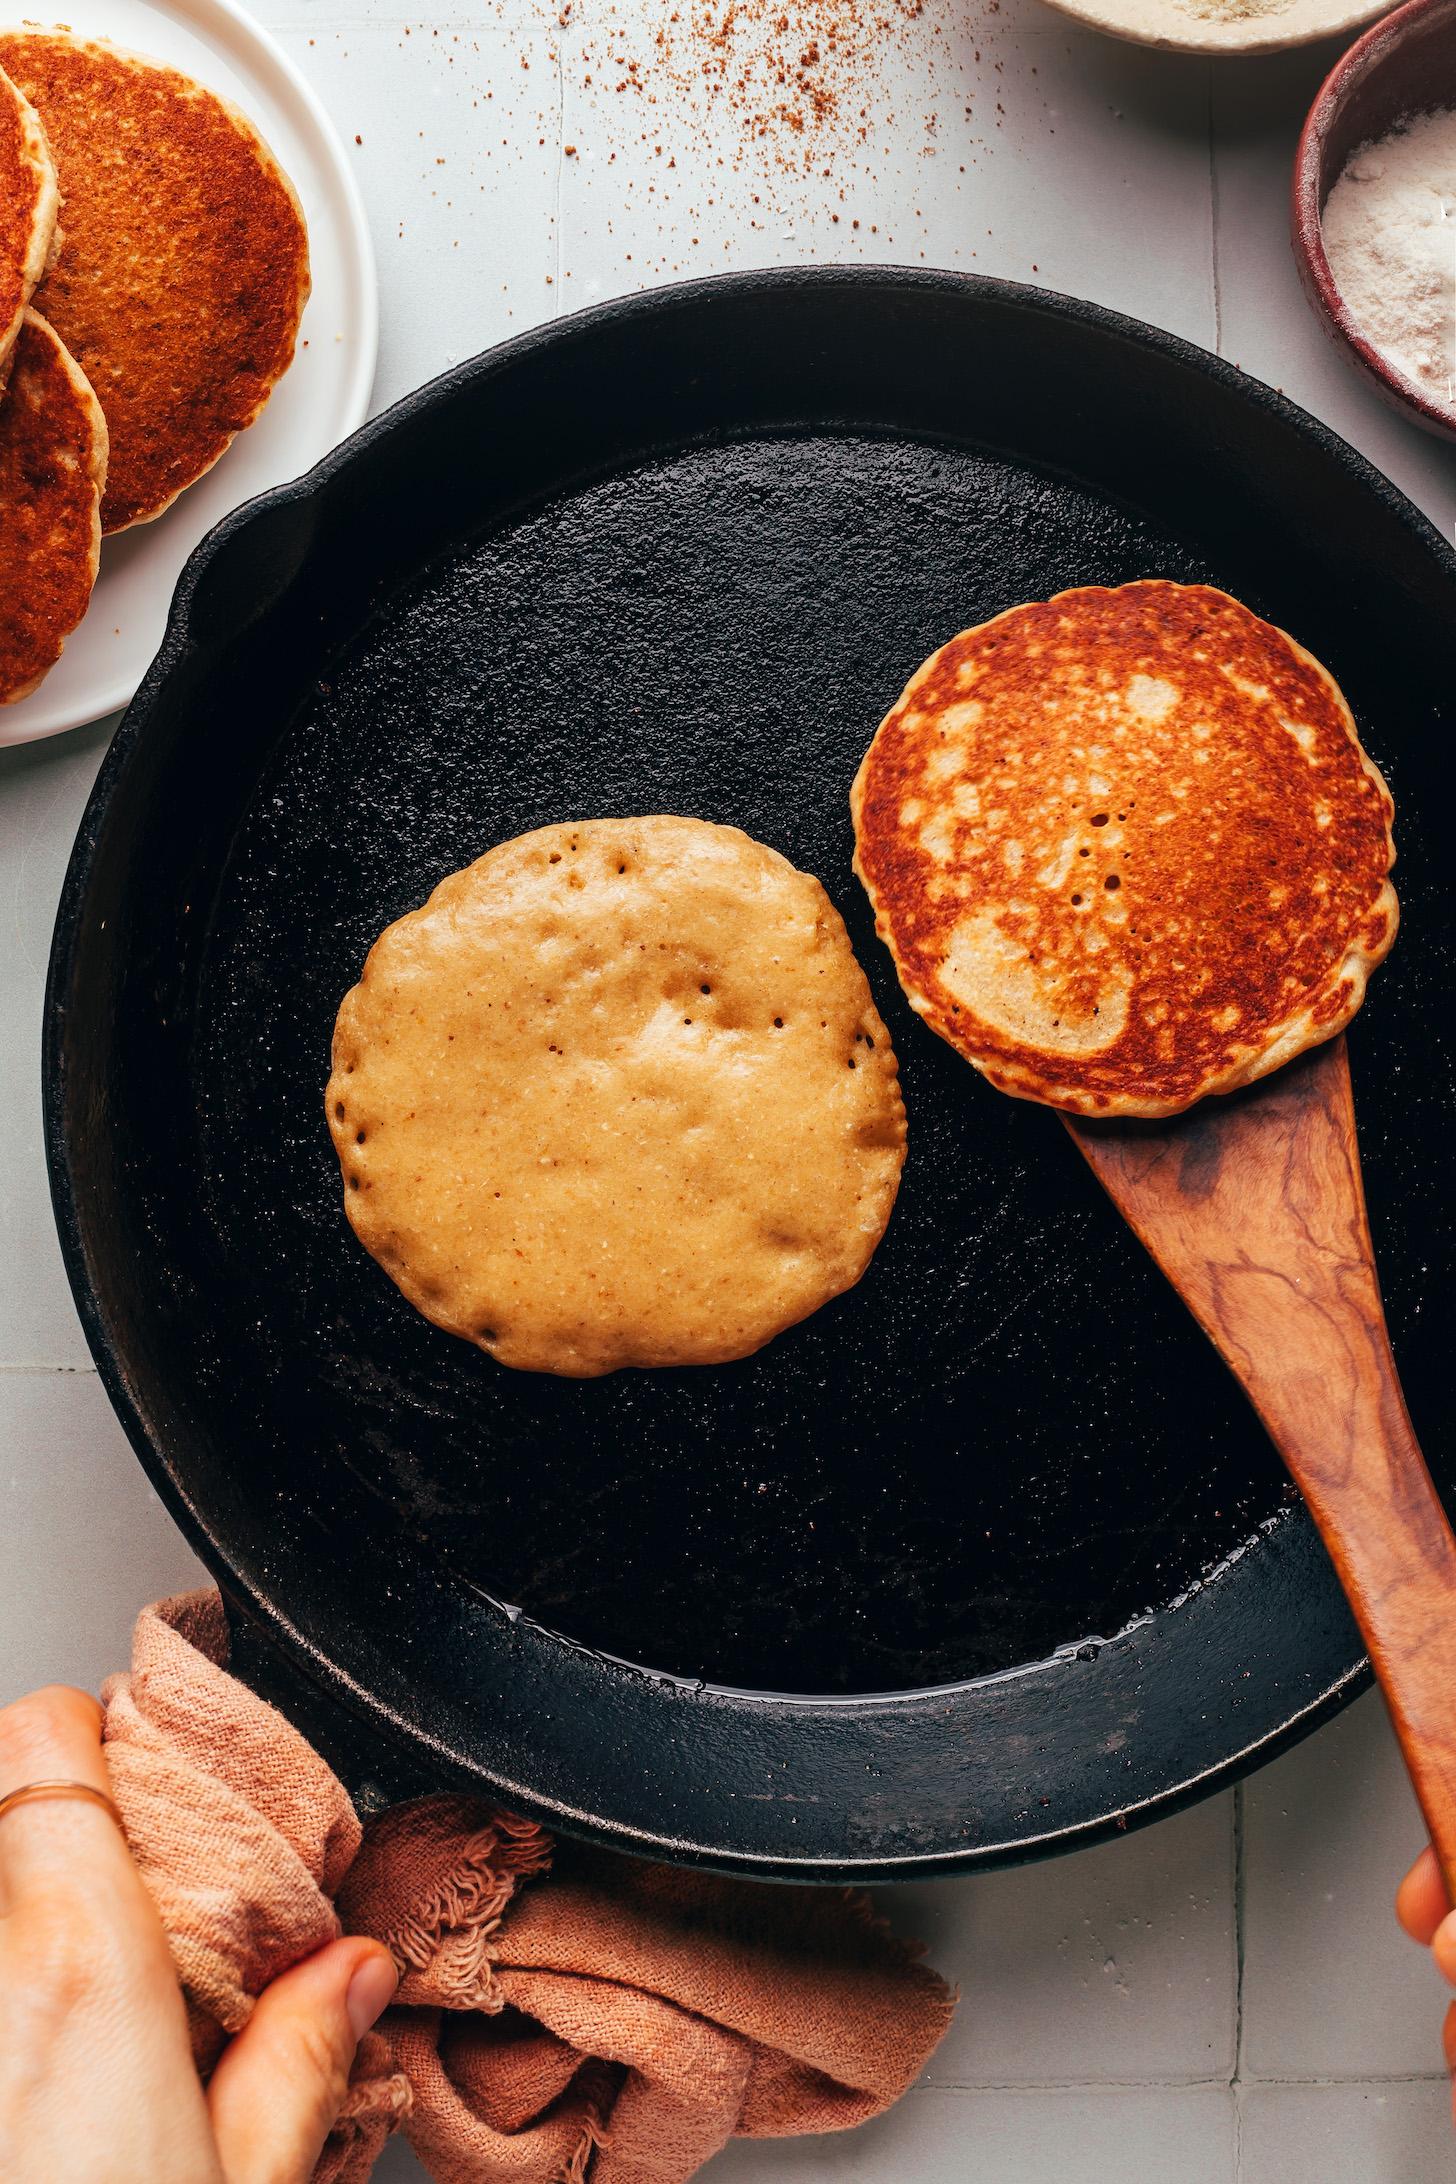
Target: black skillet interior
(681, 554)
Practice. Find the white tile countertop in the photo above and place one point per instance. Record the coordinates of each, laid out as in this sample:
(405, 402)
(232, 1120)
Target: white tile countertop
(1222, 1999)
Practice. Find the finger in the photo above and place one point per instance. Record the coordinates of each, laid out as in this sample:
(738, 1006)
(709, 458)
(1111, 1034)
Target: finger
(280, 2084)
(1421, 1901)
(95, 2048)
(1443, 1947)
(1448, 2039)
(48, 1846)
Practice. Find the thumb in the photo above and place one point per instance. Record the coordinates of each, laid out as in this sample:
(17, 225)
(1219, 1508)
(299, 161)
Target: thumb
(277, 2091)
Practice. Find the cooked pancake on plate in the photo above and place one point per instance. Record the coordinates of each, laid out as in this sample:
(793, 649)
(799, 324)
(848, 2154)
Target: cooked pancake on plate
(618, 1095)
(29, 201)
(52, 470)
(1126, 849)
(185, 267)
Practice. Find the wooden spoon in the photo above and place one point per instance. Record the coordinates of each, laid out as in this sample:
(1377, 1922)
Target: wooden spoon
(1253, 1207)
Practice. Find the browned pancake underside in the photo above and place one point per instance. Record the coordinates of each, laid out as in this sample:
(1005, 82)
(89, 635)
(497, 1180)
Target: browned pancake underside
(185, 267)
(52, 468)
(27, 211)
(1126, 848)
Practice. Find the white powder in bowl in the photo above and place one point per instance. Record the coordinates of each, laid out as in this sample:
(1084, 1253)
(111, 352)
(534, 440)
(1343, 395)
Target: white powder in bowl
(1389, 229)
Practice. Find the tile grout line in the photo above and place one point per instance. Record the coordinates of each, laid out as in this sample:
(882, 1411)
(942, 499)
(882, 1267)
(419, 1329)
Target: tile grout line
(560, 172)
(1213, 210)
(341, 25)
(1365, 2082)
(1236, 2082)
(40, 1366)
(1082, 2085)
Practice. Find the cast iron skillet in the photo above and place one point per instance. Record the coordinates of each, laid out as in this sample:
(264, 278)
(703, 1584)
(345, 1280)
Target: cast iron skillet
(989, 1557)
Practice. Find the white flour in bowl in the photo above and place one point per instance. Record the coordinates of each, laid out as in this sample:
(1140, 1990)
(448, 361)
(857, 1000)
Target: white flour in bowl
(1389, 229)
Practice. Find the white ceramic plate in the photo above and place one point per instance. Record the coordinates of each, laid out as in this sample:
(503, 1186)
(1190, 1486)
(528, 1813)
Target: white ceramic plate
(322, 397)
(1206, 26)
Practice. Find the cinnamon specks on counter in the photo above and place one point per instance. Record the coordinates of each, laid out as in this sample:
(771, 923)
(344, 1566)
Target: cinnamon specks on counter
(787, 84)
(650, 142)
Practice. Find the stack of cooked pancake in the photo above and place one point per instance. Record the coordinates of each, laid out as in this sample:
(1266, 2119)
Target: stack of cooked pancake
(153, 272)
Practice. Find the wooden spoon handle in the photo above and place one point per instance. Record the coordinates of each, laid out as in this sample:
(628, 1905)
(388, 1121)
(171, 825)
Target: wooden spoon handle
(1254, 1208)
(1363, 1475)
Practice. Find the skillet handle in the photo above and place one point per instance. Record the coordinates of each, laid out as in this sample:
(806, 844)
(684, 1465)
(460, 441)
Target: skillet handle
(373, 1776)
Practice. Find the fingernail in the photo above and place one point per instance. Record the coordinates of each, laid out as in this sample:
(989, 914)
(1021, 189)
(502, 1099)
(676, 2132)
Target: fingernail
(371, 1990)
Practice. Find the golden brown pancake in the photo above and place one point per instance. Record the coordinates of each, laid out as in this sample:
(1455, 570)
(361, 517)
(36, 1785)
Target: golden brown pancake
(185, 267)
(52, 470)
(1126, 849)
(618, 1095)
(29, 201)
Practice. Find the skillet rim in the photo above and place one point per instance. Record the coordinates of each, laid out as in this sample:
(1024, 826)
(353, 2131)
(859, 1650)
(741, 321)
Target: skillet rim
(263, 1612)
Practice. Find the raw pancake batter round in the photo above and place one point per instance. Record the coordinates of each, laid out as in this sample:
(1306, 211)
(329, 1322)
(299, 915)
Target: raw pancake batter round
(1126, 849)
(618, 1095)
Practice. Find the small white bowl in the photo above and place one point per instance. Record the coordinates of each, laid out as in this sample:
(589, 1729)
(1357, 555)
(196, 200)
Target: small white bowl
(1405, 66)
(1201, 26)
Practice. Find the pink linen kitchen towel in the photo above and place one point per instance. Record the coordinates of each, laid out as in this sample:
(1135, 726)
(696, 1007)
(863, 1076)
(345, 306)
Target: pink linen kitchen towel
(565, 2015)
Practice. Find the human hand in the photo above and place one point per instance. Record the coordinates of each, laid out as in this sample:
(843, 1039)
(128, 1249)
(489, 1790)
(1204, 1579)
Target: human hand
(1424, 1910)
(97, 2084)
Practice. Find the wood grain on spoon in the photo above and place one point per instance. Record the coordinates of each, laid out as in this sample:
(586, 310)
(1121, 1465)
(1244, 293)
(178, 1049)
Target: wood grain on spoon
(1253, 1207)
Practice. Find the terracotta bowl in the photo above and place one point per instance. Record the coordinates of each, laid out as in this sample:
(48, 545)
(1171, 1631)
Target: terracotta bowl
(1404, 65)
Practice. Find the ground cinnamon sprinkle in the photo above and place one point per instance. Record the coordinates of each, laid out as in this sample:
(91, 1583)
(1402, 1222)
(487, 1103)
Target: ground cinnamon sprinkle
(778, 73)
(792, 82)
(701, 133)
